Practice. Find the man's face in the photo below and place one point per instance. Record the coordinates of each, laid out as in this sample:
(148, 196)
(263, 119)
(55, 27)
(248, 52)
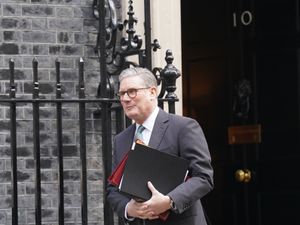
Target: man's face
(141, 106)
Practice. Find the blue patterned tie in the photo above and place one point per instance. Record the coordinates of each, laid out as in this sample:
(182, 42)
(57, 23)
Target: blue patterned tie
(138, 134)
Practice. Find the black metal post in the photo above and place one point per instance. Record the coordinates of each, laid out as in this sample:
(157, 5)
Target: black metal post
(59, 147)
(171, 106)
(82, 133)
(161, 103)
(13, 145)
(36, 144)
(120, 119)
(147, 13)
(105, 114)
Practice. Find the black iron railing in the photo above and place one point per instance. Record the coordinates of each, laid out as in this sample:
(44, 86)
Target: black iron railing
(109, 56)
(36, 101)
(106, 114)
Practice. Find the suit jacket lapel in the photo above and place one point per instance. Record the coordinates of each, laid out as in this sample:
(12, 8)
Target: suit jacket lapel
(159, 129)
(127, 138)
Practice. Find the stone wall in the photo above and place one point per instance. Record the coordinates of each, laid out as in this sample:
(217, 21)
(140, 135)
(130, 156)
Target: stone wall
(49, 30)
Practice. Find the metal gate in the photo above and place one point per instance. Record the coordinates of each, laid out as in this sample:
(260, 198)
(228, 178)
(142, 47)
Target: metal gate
(112, 60)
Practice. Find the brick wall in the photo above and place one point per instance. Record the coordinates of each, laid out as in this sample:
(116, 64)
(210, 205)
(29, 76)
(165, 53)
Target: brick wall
(47, 30)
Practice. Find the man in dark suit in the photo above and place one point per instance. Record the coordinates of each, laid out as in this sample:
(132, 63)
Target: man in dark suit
(177, 135)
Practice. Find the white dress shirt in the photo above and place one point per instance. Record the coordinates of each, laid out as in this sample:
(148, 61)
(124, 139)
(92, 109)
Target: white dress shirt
(148, 124)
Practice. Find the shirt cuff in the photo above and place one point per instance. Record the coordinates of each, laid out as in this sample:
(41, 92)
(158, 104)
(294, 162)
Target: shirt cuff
(125, 214)
(173, 206)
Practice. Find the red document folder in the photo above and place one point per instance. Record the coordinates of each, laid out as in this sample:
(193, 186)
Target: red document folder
(116, 176)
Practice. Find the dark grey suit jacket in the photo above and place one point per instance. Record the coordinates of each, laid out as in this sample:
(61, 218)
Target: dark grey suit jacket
(180, 136)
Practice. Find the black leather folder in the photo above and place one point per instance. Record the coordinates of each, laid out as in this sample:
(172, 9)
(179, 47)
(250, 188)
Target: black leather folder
(144, 164)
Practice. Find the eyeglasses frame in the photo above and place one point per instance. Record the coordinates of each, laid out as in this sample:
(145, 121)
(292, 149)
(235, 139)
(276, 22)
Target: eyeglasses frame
(121, 94)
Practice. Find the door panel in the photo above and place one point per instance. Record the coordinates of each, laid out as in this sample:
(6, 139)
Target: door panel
(265, 52)
(278, 110)
(278, 18)
(278, 105)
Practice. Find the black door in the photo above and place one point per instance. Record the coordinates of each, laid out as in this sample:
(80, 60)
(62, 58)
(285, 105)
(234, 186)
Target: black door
(248, 46)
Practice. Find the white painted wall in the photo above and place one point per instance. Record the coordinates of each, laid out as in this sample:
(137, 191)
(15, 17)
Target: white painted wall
(166, 27)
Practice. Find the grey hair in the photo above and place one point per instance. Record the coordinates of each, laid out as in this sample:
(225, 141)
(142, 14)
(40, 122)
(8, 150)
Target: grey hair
(145, 74)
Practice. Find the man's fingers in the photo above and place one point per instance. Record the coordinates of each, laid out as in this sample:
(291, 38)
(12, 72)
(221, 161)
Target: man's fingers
(147, 215)
(153, 217)
(151, 187)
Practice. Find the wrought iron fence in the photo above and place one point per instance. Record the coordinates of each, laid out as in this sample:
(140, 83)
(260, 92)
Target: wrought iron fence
(109, 57)
(36, 102)
(167, 80)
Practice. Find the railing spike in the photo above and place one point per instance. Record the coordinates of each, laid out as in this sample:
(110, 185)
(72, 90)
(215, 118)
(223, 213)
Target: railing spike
(12, 71)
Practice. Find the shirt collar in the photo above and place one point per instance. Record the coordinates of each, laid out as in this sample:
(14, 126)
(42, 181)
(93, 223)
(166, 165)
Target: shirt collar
(149, 122)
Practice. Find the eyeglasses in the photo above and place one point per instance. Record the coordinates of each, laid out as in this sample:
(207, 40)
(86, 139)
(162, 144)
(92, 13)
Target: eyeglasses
(131, 92)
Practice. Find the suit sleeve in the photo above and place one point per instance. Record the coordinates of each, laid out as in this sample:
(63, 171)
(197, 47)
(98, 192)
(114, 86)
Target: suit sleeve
(193, 147)
(117, 200)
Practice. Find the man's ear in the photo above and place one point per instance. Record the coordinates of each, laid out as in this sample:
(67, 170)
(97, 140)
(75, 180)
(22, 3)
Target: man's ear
(153, 91)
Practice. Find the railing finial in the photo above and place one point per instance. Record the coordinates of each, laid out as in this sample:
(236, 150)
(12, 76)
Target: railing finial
(169, 75)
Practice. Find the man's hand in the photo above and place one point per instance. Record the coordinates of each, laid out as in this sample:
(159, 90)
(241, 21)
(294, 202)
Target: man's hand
(140, 210)
(150, 209)
(158, 203)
